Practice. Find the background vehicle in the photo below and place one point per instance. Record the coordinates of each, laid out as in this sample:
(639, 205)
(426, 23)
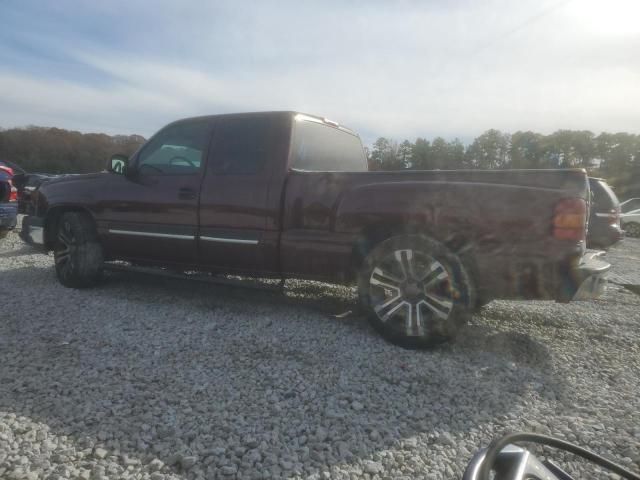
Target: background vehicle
(286, 195)
(630, 205)
(604, 216)
(631, 223)
(8, 201)
(26, 183)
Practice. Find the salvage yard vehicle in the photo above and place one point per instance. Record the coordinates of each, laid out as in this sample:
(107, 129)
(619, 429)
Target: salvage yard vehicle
(604, 216)
(630, 205)
(8, 201)
(289, 195)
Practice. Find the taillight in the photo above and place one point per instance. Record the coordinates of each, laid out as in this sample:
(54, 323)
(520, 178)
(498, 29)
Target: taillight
(570, 219)
(13, 195)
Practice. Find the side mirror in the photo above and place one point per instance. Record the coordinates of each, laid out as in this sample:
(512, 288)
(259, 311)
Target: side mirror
(118, 164)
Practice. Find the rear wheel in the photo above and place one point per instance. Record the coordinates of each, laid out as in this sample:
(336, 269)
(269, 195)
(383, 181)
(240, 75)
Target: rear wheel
(632, 229)
(415, 291)
(481, 303)
(77, 252)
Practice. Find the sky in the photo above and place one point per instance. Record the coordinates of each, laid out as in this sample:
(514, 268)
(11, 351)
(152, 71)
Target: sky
(400, 69)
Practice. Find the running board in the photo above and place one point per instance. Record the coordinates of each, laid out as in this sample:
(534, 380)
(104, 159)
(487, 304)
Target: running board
(198, 277)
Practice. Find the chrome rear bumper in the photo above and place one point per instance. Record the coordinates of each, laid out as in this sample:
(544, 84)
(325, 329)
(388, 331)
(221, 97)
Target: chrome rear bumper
(591, 276)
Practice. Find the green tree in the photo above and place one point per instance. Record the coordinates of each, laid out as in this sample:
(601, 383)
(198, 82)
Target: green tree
(439, 153)
(527, 150)
(456, 157)
(55, 150)
(619, 155)
(405, 154)
(490, 150)
(421, 155)
(384, 155)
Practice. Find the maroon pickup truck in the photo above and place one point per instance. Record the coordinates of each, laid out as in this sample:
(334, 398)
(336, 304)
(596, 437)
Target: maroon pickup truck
(288, 195)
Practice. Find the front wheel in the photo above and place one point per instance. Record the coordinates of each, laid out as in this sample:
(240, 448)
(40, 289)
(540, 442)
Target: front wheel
(415, 291)
(77, 252)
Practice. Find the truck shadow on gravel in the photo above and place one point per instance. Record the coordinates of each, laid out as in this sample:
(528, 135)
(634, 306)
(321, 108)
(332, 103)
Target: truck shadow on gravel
(23, 251)
(206, 378)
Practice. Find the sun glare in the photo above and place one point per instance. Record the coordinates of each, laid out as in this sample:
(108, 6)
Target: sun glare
(611, 17)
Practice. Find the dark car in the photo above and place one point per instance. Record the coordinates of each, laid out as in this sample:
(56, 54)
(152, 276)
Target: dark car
(288, 195)
(8, 201)
(27, 183)
(604, 218)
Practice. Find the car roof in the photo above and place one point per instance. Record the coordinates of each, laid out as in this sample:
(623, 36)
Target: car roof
(305, 116)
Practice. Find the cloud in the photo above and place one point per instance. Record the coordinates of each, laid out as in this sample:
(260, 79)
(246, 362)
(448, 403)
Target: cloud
(398, 69)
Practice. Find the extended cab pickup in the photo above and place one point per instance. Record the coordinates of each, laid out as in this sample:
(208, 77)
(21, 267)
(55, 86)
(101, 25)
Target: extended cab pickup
(288, 195)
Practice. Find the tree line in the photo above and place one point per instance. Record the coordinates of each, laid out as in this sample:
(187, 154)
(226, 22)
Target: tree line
(614, 156)
(55, 150)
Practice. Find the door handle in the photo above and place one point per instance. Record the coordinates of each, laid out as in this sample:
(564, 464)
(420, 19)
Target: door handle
(186, 193)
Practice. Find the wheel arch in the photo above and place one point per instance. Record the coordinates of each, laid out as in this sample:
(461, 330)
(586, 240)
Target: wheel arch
(52, 218)
(372, 235)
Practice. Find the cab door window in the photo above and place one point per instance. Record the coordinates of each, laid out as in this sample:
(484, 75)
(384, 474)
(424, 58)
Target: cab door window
(176, 150)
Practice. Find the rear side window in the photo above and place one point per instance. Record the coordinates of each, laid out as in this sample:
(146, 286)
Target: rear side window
(241, 145)
(322, 148)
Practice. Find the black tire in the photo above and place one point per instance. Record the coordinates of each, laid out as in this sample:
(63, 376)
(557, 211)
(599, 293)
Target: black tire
(415, 292)
(481, 303)
(632, 229)
(77, 252)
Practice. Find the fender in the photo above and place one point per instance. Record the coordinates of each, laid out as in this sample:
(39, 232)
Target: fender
(54, 197)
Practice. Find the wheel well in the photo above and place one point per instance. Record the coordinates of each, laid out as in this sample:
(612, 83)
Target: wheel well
(373, 235)
(53, 217)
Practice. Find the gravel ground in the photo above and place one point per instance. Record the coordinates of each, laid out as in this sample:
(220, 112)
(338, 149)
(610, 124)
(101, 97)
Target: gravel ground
(167, 379)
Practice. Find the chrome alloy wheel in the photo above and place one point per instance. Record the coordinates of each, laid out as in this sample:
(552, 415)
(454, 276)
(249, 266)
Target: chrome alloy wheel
(411, 291)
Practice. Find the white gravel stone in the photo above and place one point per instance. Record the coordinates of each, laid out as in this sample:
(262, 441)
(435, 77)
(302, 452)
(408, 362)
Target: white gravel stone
(146, 378)
(100, 453)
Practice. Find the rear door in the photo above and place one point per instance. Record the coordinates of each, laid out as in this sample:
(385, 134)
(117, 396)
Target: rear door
(241, 193)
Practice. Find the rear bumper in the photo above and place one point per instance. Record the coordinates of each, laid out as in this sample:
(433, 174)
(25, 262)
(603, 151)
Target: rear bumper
(32, 230)
(572, 274)
(590, 276)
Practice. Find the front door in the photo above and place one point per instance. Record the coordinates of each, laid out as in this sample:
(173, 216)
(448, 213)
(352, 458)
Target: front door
(152, 213)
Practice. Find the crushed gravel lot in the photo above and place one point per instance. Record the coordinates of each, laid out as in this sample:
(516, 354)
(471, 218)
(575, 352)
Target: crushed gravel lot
(152, 378)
